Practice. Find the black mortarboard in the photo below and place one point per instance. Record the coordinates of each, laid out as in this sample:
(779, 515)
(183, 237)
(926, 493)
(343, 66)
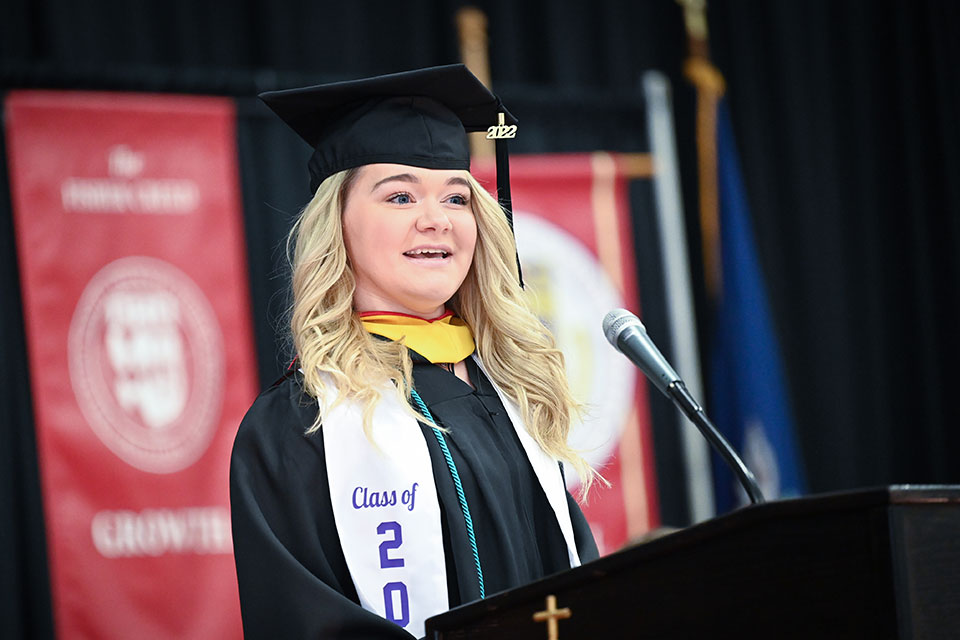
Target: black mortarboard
(417, 118)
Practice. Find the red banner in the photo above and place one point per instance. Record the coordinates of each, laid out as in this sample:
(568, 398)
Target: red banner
(572, 222)
(130, 242)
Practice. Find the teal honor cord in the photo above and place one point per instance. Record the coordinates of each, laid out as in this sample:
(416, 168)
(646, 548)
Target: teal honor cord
(456, 482)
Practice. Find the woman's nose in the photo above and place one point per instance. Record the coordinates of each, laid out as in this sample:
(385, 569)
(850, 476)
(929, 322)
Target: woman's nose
(433, 216)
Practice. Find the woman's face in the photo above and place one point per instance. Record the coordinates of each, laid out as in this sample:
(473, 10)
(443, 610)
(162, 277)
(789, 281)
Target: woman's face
(410, 235)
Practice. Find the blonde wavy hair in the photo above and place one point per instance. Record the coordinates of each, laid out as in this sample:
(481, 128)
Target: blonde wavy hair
(518, 352)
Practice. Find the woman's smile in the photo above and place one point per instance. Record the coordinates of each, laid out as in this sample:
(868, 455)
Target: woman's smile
(431, 255)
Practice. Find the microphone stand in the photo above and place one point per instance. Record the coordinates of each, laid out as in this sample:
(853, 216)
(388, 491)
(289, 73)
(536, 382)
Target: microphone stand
(682, 398)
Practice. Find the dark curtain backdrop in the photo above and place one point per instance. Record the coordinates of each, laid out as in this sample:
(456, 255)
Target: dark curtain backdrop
(846, 114)
(845, 117)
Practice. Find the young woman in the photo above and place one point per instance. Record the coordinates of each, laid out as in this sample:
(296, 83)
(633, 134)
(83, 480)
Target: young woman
(410, 460)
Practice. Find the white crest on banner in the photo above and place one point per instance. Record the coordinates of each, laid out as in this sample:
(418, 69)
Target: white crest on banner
(571, 294)
(146, 363)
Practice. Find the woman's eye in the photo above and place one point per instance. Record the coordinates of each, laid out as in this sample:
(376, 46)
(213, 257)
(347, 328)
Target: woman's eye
(458, 200)
(400, 198)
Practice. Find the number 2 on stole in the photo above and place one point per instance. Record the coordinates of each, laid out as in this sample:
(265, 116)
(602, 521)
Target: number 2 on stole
(402, 617)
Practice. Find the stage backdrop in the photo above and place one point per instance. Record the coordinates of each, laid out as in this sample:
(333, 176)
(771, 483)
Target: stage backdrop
(130, 245)
(573, 232)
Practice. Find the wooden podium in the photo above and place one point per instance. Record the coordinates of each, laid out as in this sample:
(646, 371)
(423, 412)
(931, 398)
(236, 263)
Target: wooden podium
(875, 563)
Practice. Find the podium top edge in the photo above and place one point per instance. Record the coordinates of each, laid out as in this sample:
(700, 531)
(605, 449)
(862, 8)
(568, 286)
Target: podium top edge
(890, 494)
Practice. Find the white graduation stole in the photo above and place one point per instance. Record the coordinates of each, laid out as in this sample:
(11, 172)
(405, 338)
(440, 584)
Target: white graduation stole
(387, 512)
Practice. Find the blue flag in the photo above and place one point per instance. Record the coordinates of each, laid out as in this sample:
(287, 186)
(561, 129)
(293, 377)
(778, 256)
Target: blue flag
(748, 395)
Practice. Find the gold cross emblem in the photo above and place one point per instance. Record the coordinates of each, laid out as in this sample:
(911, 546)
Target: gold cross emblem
(552, 615)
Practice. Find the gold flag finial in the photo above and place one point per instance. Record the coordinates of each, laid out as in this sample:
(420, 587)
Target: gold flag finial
(695, 17)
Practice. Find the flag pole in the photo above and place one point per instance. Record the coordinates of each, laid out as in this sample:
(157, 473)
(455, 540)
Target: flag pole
(709, 85)
(474, 52)
(678, 297)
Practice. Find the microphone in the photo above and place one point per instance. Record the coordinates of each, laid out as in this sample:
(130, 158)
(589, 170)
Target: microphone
(627, 334)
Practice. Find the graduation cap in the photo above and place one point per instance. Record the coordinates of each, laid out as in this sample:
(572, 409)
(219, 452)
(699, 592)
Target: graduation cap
(418, 118)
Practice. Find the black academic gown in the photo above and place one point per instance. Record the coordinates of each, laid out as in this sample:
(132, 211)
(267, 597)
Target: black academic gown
(293, 578)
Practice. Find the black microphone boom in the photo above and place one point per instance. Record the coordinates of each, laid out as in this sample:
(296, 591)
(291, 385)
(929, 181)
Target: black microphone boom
(628, 336)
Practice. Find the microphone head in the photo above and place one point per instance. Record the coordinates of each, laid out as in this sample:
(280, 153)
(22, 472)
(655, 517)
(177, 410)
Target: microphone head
(616, 321)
